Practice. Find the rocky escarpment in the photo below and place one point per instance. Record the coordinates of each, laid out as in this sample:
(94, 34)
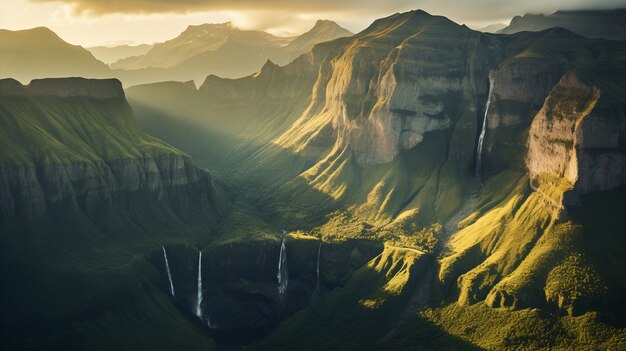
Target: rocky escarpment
(87, 154)
(578, 135)
(381, 93)
(31, 191)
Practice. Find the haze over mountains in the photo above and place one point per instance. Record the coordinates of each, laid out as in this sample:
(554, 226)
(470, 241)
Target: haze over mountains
(220, 49)
(111, 54)
(591, 24)
(416, 185)
(40, 53)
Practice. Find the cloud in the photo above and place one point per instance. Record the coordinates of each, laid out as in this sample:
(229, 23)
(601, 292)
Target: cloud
(458, 10)
(100, 7)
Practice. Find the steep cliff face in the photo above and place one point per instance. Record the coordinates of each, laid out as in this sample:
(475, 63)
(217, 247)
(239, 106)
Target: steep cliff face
(520, 82)
(30, 191)
(578, 135)
(381, 92)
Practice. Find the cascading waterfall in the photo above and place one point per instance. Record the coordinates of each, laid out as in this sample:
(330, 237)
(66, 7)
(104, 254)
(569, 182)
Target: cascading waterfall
(199, 297)
(319, 252)
(169, 273)
(282, 275)
(481, 138)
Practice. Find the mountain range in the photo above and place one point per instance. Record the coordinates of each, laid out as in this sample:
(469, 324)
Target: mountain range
(220, 49)
(417, 185)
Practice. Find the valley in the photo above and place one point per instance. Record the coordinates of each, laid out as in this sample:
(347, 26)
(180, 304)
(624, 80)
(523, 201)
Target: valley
(418, 185)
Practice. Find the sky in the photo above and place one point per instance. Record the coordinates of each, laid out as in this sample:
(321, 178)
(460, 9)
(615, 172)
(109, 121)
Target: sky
(114, 22)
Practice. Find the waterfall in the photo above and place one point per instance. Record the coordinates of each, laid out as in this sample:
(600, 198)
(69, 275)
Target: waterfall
(169, 273)
(199, 297)
(481, 138)
(319, 251)
(283, 278)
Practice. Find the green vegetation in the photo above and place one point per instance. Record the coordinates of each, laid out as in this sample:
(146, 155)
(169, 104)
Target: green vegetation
(48, 130)
(363, 152)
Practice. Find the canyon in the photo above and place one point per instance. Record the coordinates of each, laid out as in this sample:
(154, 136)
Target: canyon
(438, 187)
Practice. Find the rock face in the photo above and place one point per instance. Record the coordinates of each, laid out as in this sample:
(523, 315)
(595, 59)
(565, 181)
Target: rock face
(578, 135)
(522, 81)
(30, 191)
(381, 93)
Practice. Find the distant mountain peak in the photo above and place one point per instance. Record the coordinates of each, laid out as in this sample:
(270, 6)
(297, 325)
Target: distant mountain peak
(323, 30)
(607, 24)
(325, 22)
(36, 32)
(205, 28)
(224, 25)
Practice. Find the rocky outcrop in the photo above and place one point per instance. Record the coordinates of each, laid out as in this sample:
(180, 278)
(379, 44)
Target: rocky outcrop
(578, 135)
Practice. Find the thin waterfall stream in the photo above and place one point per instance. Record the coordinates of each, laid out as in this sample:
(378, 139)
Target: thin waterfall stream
(199, 296)
(481, 138)
(169, 272)
(282, 275)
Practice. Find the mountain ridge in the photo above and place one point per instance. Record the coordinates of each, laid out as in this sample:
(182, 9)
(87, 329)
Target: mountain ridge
(581, 22)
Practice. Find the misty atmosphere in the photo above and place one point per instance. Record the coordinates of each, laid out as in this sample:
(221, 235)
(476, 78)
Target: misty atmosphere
(312, 175)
